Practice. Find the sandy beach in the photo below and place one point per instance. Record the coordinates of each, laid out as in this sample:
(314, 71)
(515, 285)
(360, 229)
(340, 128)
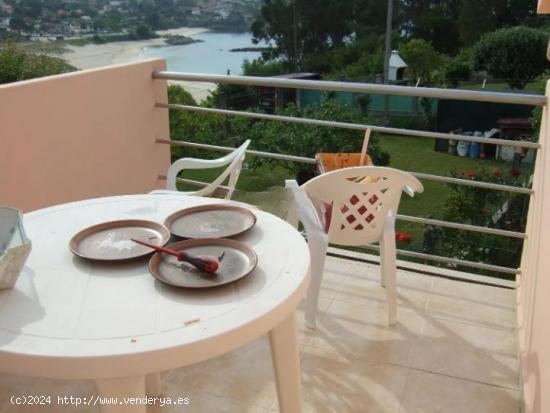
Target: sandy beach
(98, 55)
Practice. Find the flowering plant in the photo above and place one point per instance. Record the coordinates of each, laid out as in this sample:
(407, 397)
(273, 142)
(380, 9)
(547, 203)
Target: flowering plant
(403, 237)
(486, 208)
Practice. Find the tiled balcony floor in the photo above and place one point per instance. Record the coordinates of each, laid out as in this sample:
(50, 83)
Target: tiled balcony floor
(453, 350)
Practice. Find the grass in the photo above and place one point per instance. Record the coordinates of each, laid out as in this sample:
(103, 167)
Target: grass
(250, 180)
(533, 87)
(418, 155)
(57, 47)
(413, 154)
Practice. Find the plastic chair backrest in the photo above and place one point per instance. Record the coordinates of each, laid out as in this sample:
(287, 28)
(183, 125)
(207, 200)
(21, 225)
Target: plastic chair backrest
(234, 160)
(305, 210)
(356, 201)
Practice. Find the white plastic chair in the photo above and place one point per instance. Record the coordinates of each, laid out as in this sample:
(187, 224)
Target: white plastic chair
(233, 160)
(350, 210)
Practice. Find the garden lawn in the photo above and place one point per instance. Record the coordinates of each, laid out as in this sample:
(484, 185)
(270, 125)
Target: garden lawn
(413, 154)
(534, 87)
(417, 154)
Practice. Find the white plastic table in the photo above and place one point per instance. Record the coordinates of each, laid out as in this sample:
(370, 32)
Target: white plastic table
(114, 323)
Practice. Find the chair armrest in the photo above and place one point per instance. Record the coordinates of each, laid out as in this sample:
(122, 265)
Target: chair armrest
(195, 163)
(409, 191)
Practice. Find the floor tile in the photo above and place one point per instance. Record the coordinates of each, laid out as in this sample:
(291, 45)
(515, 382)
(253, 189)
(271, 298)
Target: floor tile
(206, 403)
(11, 385)
(467, 351)
(245, 375)
(413, 290)
(473, 303)
(362, 331)
(454, 349)
(332, 282)
(306, 333)
(433, 393)
(485, 294)
(333, 383)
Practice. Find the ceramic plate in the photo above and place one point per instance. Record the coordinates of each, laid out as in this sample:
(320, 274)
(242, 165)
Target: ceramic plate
(236, 260)
(111, 241)
(210, 221)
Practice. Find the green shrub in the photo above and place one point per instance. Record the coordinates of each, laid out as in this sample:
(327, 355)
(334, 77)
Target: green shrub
(516, 55)
(458, 68)
(17, 64)
(273, 136)
(485, 208)
(422, 60)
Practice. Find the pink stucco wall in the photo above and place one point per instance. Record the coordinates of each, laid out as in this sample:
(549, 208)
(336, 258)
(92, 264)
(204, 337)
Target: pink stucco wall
(82, 135)
(534, 285)
(543, 6)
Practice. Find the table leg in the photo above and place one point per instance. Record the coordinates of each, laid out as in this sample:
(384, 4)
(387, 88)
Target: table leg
(121, 389)
(285, 353)
(152, 385)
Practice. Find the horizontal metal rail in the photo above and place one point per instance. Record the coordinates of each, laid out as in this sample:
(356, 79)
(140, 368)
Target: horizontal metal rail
(193, 182)
(465, 227)
(448, 260)
(355, 126)
(455, 94)
(407, 218)
(470, 182)
(367, 256)
(292, 158)
(278, 156)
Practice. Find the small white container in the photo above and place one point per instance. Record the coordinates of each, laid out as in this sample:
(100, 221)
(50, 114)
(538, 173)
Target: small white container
(15, 247)
(462, 148)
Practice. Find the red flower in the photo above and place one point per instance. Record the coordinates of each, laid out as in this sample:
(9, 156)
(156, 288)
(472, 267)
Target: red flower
(403, 236)
(497, 173)
(471, 175)
(486, 212)
(515, 172)
(462, 173)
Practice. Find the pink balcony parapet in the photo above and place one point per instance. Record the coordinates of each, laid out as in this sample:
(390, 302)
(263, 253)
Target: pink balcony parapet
(82, 135)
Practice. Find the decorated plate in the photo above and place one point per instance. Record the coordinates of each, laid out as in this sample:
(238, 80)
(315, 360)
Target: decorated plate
(210, 221)
(112, 241)
(236, 261)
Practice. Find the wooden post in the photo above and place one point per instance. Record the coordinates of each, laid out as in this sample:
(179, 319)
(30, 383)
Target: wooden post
(365, 148)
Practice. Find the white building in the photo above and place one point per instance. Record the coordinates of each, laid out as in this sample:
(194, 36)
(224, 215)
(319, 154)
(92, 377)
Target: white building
(5, 22)
(396, 67)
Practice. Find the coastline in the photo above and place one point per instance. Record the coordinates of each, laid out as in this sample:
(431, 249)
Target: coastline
(97, 55)
(92, 56)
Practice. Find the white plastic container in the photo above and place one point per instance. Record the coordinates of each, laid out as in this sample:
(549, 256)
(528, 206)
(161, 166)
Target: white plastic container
(462, 148)
(15, 247)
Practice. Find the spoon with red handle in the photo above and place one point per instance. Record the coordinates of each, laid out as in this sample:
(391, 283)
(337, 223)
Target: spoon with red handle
(203, 263)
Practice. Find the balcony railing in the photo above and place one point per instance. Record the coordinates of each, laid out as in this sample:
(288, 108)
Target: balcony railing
(495, 97)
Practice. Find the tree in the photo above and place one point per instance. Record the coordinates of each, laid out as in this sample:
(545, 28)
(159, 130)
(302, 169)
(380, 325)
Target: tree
(18, 23)
(422, 60)
(144, 32)
(304, 140)
(451, 24)
(17, 64)
(359, 59)
(369, 17)
(516, 55)
(258, 67)
(492, 209)
(276, 137)
(477, 17)
(458, 68)
(296, 26)
(434, 21)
